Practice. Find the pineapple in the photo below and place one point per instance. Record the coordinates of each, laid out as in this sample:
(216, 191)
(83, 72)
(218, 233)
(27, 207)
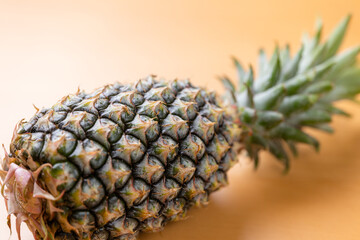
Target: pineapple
(129, 158)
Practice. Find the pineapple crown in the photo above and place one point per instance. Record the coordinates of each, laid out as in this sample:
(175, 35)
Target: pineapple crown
(290, 93)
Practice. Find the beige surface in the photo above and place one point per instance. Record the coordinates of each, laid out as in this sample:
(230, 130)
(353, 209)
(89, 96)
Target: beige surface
(48, 49)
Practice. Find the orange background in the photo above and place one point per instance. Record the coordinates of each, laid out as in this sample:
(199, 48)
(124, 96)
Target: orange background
(49, 48)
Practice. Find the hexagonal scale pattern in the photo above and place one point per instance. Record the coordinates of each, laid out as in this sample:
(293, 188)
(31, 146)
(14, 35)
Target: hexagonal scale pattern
(129, 158)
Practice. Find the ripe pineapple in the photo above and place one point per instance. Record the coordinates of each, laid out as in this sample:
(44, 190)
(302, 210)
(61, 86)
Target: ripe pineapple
(129, 158)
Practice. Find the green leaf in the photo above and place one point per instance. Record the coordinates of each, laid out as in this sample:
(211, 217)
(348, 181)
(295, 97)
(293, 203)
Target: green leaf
(275, 56)
(318, 30)
(248, 115)
(240, 71)
(300, 81)
(290, 69)
(336, 37)
(277, 149)
(270, 98)
(256, 160)
(292, 147)
(249, 80)
(229, 87)
(322, 127)
(259, 140)
(319, 87)
(297, 103)
(314, 116)
(249, 77)
(313, 50)
(287, 132)
(347, 86)
(285, 55)
(338, 111)
(344, 60)
(269, 119)
(227, 83)
(296, 84)
(318, 53)
(252, 151)
(263, 62)
(270, 77)
(312, 59)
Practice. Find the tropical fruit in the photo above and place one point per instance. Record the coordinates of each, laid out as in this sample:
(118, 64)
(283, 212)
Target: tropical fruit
(129, 158)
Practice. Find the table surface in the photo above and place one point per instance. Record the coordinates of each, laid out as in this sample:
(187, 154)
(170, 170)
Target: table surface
(48, 49)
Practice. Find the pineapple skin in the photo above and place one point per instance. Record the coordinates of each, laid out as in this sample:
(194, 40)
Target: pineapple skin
(123, 159)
